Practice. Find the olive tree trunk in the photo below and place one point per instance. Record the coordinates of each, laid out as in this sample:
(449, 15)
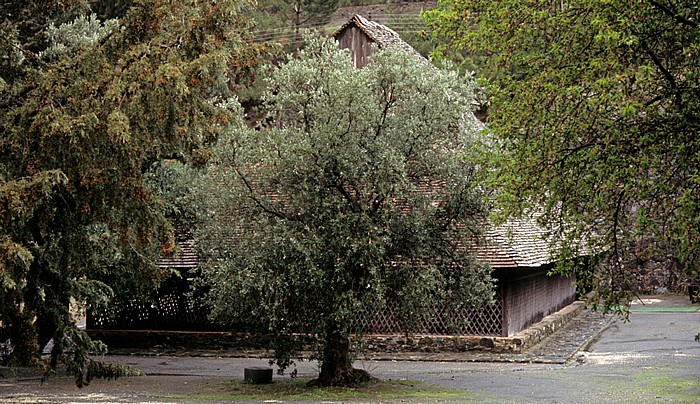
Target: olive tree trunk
(336, 364)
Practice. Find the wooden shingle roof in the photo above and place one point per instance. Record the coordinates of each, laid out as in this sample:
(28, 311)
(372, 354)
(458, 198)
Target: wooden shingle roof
(184, 257)
(380, 34)
(516, 243)
(519, 243)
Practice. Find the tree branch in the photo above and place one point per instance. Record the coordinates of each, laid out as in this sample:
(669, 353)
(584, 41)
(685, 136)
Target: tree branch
(669, 77)
(345, 194)
(679, 19)
(617, 265)
(389, 103)
(258, 202)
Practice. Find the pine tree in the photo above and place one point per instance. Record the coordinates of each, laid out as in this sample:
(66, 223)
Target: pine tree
(84, 118)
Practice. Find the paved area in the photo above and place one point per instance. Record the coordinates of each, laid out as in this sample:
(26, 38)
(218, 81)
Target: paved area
(652, 358)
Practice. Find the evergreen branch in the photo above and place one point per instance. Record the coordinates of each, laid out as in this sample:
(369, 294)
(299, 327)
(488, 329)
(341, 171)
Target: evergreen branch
(26, 52)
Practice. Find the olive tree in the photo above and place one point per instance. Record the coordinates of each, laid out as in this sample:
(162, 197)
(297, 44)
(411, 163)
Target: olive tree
(351, 194)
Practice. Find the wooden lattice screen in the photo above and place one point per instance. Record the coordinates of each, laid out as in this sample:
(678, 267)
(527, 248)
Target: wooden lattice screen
(441, 320)
(174, 308)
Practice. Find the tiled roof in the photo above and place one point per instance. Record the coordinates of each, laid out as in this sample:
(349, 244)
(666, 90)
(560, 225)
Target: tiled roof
(516, 243)
(185, 256)
(382, 35)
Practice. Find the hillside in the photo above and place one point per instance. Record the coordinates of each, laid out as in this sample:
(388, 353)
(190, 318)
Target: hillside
(382, 12)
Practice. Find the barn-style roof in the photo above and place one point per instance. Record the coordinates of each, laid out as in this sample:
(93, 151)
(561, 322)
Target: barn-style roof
(519, 243)
(385, 38)
(380, 34)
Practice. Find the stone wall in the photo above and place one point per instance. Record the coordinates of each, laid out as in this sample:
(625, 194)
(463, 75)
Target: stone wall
(655, 273)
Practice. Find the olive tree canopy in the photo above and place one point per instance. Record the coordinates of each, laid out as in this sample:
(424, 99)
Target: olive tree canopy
(350, 195)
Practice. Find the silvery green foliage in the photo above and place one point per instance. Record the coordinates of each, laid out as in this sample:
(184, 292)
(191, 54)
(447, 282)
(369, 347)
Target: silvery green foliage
(350, 195)
(80, 34)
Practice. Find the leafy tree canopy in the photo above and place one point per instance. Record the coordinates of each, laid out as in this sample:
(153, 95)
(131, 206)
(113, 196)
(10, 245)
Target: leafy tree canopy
(351, 195)
(84, 117)
(594, 105)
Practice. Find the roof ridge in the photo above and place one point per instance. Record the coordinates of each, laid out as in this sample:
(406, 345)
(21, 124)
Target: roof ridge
(380, 34)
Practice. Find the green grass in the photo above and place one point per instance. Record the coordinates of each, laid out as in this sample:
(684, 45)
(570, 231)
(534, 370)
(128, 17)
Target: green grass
(676, 389)
(664, 310)
(649, 309)
(296, 390)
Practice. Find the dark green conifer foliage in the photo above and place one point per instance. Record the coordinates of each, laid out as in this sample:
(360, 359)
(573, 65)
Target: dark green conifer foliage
(83, 117)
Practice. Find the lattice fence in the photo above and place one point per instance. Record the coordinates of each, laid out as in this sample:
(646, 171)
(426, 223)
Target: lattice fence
(174, 308)
(440, 320)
